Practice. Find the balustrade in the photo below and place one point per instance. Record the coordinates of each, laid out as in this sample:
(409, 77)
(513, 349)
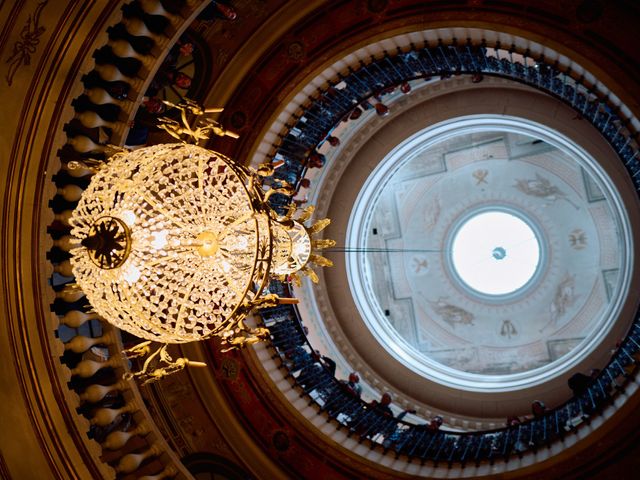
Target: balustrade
(311, 128)
(418, 440)
(113, 407)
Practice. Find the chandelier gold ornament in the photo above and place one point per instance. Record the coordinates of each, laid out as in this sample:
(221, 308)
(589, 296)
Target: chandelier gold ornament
(178, 243)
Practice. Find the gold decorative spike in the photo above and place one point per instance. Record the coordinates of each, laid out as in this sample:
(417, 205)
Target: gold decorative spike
(244, 337)
(265, 169)
(285, 189)
(72, 288)
(265, 301)
(139, 350)
(319, 226)
(197, 109)
(111, 151)
(291, 210)
(88, 164)
(320, 260)
(306, 214)
(322, 243)
(201, 129)
(285, 219)
(217, 129)
(162, 367)
(295, 278)
(311, 274)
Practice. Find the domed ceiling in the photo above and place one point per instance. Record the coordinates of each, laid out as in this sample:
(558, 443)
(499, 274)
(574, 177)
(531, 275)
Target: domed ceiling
(487, 249)
(488, 253)
(259, 63)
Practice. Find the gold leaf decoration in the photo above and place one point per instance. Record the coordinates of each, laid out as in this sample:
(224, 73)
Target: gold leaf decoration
(320, 260)
(323, 243)
(319, 225)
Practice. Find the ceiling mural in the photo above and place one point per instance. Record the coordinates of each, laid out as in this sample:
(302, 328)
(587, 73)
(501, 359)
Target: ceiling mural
(491, 252)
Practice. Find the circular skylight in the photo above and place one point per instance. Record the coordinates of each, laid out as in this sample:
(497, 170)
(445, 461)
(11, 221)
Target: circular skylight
(495, 253)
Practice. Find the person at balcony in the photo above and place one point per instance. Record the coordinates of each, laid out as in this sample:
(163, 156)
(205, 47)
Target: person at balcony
(381, 109)
(355, 114)
(296, 359)
(313, 374)
(378, 419)
(217, 10)
(329, 365)
(513, 421)
(352, 385)
(300, 201)
(181, 80)
(395, 436)
(343, 399)
(435, 423)
(383, 405)
(579, 383)
(310, 372)
(538, 409)
(405, 87)
(329, 385)
(589, 398)
(154, 105)
(385, 91)
(305, 183)
(363, 417)
(316, 160)
(287, 334)
(333, 141)
(372, 420)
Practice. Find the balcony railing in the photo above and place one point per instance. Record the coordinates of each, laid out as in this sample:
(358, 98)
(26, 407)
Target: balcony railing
(115, 413)
(311, 127)
(419, 440)
(306, 133)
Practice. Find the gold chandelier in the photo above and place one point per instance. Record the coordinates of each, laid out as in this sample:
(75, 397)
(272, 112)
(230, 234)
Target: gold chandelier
(178, 243)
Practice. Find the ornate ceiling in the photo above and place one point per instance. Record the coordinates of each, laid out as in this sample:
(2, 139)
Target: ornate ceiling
(233, 413)
(486, 298)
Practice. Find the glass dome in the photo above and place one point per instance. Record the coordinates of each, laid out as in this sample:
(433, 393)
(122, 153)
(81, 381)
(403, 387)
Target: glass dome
(493, 253)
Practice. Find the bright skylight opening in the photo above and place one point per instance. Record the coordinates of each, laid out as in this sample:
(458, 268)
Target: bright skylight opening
(495, 253)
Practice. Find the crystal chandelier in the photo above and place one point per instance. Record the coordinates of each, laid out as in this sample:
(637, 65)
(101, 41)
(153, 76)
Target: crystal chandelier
(178, 243)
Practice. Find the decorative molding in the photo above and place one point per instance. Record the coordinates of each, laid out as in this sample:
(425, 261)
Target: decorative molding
(26, 46)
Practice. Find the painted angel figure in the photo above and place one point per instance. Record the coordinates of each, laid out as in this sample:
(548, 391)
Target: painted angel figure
(542, 187)
(452, 314)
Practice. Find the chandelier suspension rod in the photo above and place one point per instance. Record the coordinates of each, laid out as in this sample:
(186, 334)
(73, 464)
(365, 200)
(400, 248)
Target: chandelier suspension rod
(377, 250)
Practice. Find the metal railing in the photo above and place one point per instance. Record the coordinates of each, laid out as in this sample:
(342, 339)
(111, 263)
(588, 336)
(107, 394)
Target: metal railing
(420, 440)
(311, 127)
